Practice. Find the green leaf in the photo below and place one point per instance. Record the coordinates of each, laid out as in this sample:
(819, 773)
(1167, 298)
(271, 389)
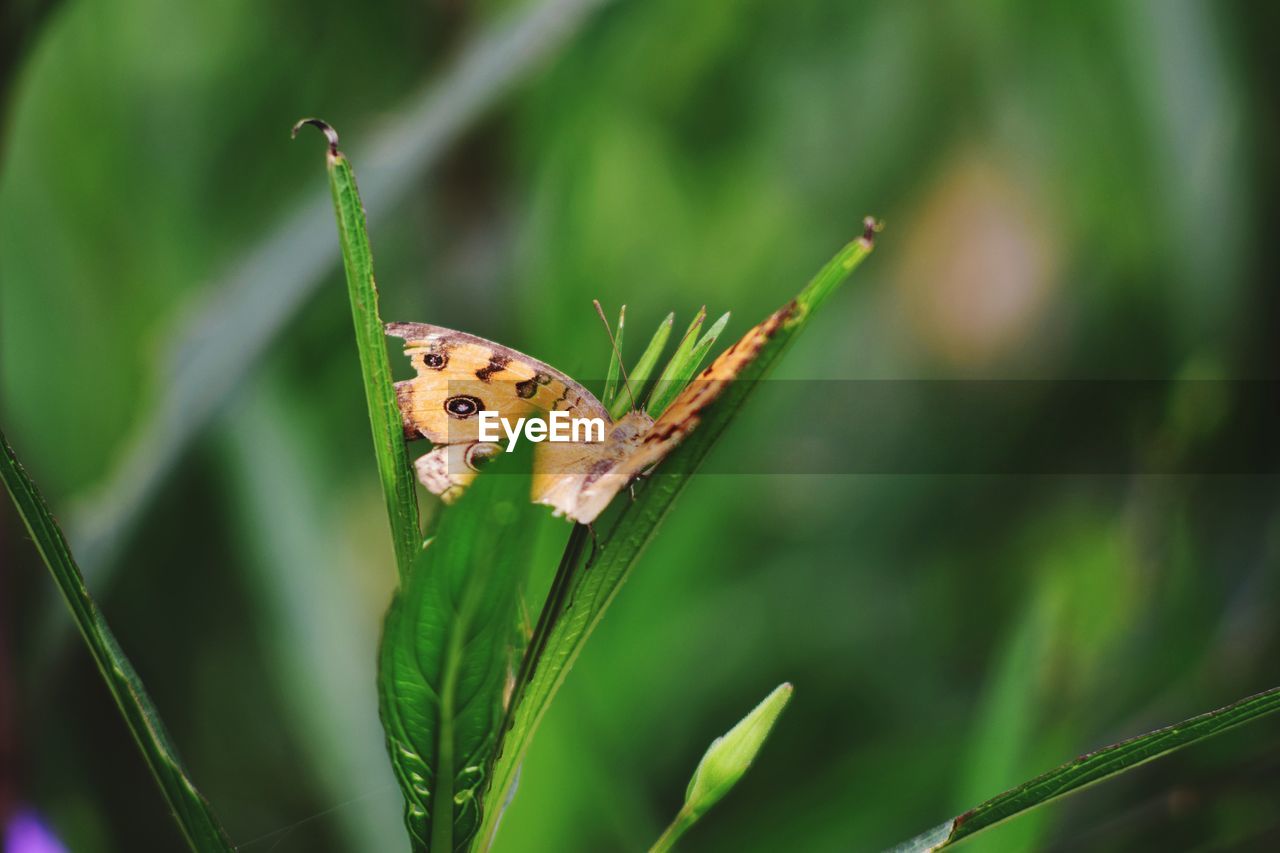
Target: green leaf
(446, 656)
(266, 285)
(682, 367)
(1091, 768)
(629, 397)
(622, 535)
(398, 486)
(725, 762)
(195, 818)
(615, 358)
(684, 350)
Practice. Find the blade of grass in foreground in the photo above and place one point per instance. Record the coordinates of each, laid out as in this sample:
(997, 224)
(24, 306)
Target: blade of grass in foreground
(384, 415)
(563, 629)
(194, 816)
(447, 653)
(1091, 768)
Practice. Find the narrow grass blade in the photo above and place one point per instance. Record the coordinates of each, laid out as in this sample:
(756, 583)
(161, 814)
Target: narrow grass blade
(640, 374)
(446, 657)
(384, 414)
(682, 368)
(684, 347)
(1091, 768)
(195, 818)
(562, 631)
(615, 360)
(725, 762)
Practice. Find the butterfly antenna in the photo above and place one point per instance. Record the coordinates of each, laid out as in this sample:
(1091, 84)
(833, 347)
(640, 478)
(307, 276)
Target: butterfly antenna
(608, 331)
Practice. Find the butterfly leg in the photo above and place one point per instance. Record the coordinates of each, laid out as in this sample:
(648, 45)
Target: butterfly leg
(595, 548)
(641, 475)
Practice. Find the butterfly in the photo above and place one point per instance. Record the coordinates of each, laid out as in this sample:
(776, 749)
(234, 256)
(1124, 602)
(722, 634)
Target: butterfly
(458, 376)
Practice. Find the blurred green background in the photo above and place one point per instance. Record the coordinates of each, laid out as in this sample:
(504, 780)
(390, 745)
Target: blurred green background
(1071, 190)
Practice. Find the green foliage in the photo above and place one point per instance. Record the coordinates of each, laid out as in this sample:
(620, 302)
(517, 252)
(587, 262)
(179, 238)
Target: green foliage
(447, 637)
(684, 364)
(1094, 767)
(1073, 191)
(588, 579)
(684, 349)
(642, 370)
(398, 486)
(447, 655)
(199, 825)
(725, 762)
(615, 356)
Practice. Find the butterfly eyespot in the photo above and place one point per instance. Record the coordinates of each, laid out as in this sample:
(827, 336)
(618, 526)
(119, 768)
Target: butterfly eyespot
(527, 388)
(435, 360)
(479, 455)
(462, 406)
(542, 378)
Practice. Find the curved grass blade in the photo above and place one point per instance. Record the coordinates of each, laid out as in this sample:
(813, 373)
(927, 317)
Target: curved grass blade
(446, 657)
(1090, 769)
(724, 764)
(195, 818)
(579, 597)
(398, 486)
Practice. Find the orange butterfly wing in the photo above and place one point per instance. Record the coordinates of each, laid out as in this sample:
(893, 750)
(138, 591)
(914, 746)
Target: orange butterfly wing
(459, 374)
(682, 417)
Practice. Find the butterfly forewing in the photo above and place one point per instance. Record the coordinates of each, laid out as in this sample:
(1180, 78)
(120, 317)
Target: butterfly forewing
(459, 375)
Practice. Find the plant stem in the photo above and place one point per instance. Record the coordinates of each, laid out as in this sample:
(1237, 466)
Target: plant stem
(679, 824)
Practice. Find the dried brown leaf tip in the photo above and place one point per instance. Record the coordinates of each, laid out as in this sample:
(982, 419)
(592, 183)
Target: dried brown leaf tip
(322, 126)
(870, 228)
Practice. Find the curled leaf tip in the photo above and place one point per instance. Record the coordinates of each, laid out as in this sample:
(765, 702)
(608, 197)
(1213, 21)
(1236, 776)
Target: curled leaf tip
(324, 127)
(870, 228)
